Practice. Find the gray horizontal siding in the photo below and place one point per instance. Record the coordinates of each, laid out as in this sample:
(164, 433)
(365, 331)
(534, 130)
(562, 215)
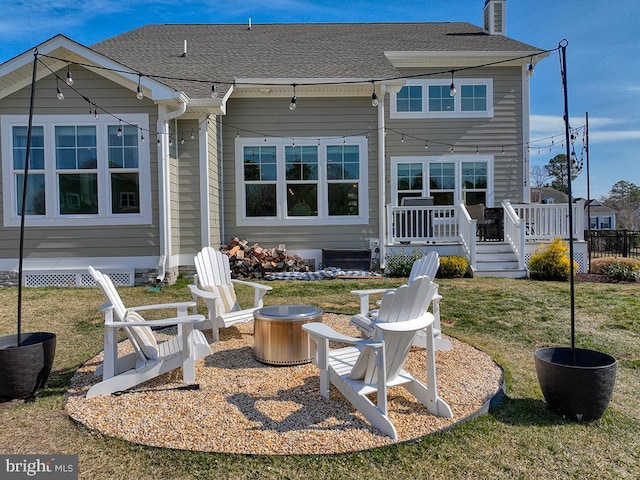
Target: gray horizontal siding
(312, 118)
(188, 184)
(467, 134)
(135, 240)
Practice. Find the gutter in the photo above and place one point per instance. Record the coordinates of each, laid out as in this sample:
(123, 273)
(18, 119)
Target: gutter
(164, 190)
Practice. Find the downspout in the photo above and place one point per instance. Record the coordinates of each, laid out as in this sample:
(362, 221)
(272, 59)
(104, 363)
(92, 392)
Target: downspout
(382, 181)
(164, 190)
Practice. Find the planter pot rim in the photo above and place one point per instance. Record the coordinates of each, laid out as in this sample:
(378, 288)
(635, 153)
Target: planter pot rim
(585, 358)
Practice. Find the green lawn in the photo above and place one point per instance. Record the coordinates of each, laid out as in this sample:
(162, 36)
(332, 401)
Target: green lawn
(506, 318)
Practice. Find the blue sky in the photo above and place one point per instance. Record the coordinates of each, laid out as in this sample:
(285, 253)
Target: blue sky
(603, 56)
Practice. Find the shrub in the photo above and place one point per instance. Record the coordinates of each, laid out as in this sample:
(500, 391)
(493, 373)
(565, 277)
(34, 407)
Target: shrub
(551, 262)
(598, 265)
(399, 264)
(621, 272)
(453, 266)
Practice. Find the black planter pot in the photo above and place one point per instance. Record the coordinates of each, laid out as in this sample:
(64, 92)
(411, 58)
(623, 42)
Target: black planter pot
(582, 390)
(25, 369)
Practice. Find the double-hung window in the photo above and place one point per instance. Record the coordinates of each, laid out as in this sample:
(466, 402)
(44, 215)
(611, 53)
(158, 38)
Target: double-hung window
(81, 171)
(301, 181)
(432, 99)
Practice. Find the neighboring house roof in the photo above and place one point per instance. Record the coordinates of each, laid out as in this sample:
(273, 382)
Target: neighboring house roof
(227, 53)
(541, 193)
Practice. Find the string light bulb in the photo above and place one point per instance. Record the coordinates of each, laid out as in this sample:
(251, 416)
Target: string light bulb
(374, 97)
(192, 135)
(214, 93)
(531, 69)
(69, 76)
(426, 145)
(95, 114)
(139, 94)
(59, 92)
(292, 105)
(119, 132)
(452, 88)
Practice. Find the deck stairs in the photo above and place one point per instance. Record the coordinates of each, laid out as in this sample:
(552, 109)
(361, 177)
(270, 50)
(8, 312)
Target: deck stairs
(496, 259)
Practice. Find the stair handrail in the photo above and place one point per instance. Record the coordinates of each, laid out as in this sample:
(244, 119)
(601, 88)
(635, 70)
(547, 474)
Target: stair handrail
(514, 232)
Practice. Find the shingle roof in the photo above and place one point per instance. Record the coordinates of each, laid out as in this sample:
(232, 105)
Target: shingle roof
(224, 52)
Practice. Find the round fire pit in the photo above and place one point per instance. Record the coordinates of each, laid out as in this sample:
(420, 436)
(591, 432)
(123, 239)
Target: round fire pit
(278, 335)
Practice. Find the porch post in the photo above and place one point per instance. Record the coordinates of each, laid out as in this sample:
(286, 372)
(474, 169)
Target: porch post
(382, 184)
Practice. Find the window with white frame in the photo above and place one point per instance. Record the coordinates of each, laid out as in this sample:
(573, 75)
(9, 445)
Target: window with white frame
(449, 180)
(301, 181)
(432, 99)
(81, 171)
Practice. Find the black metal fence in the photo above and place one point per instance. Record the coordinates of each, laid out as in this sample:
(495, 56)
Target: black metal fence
(614, 243)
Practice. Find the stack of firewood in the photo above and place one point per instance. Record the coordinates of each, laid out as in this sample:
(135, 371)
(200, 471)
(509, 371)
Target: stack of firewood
(253, 261)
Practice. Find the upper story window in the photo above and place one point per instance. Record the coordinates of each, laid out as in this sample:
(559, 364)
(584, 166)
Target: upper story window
(431, 99)
(304, 181)
(81, 171)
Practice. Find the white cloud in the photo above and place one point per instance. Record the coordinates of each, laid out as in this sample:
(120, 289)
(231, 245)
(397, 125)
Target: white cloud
(601, 129)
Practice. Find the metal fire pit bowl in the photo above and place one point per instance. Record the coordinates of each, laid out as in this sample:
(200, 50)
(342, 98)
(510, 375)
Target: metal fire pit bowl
(278, 335)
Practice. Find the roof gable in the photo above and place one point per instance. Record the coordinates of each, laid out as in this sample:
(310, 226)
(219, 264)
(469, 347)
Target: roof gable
(55, 54)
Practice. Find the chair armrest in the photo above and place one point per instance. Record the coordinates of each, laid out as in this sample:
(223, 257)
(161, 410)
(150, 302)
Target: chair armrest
(364, 297)
(257, 286)
(203, 293)
(159, 306)
(372, 291)
(165, 322)
(414, 324)
(321, 330)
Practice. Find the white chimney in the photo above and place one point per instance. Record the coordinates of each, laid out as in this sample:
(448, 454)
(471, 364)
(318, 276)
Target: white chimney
(495, 15)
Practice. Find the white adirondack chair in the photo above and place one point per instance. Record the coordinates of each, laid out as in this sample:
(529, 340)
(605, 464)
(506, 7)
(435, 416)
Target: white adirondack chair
(150, 358)
(214, 286)
(424, 266)
(375, 365)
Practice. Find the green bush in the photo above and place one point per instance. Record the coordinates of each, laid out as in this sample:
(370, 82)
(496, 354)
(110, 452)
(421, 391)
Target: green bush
(599, 265)
(453, 266)
(399, 264)
(551, 262)
(621, 272)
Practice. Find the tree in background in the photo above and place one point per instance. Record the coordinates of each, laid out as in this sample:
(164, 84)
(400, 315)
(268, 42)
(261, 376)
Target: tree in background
(539, 178)
(556, 170)
(624, 198)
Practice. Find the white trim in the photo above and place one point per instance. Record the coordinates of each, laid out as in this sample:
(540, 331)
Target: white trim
(457, 99)
(53, 217)
(455, 159)
(205, 208)
(382, 177)
(526, 117)
(78, 263)
(323, 217)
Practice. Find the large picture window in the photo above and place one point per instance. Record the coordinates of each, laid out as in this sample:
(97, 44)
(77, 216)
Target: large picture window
(81, 171)
(301, 181)
(432, 99)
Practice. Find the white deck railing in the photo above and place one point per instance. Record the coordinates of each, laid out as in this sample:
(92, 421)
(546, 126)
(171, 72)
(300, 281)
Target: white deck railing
(546, 222)
(422, 224)
(514, 230)
(446, 224)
